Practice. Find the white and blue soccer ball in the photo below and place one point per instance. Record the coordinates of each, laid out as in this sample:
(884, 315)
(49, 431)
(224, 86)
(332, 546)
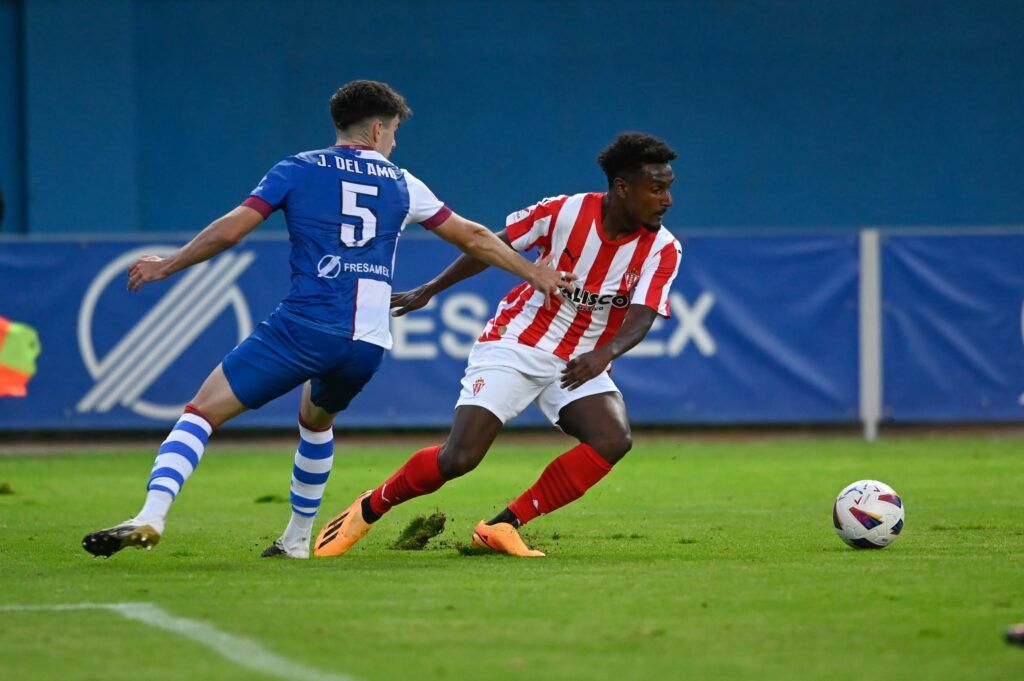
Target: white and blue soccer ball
(868, 514)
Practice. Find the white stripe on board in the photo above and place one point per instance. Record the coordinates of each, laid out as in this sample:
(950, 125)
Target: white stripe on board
(133, 347)
(241, 651)
(172, 344)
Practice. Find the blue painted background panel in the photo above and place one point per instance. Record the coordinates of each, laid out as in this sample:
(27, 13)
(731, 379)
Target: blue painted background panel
(763, 330)
(953, 328)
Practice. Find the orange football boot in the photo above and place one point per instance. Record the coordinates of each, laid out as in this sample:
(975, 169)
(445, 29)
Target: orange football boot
(342, 531)
(503, 538)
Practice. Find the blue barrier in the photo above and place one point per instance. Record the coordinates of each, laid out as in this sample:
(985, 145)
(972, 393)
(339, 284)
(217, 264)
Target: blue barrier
(953, 327)
(764, 329)
(755, 335)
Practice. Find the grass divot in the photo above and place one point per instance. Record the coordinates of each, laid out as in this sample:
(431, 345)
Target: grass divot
(419, 531)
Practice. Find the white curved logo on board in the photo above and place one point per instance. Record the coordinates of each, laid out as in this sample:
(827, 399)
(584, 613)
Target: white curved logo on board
(162, 335)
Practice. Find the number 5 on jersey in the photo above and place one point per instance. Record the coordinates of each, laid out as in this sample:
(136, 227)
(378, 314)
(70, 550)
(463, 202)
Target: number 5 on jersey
(352, 235)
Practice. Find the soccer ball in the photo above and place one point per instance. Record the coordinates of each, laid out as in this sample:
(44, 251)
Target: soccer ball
(868, 514)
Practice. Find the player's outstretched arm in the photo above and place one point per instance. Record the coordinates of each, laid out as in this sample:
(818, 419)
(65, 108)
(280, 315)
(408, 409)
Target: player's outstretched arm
(464, 267)
(219, 235)
(635, 326)
(480, 243)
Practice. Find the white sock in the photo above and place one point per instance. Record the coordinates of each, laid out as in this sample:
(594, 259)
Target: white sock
(298, 532)
(154, 511)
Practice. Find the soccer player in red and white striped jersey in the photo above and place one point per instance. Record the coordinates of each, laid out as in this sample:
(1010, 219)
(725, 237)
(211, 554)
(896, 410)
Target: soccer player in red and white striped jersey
(613, 274)
(555, 353)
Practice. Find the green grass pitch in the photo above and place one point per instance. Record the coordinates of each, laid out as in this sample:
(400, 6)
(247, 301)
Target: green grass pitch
(691, 560)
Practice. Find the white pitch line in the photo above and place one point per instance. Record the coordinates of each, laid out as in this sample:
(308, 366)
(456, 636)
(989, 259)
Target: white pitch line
(239, 650)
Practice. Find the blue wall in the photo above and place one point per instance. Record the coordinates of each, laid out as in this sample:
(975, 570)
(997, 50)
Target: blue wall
(161, 115)
(12, 150)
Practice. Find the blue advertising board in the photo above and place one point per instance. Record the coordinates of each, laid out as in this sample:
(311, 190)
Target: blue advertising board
(763, 329)
(953, 327)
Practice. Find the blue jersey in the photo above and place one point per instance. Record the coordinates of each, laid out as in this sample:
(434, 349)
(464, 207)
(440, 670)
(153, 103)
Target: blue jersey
(345, 207)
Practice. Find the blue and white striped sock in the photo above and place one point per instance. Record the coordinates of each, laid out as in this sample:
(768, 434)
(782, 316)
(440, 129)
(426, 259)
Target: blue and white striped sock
(177, 458)
(313, 460)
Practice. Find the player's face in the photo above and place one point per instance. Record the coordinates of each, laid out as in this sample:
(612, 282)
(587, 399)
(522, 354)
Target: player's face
(648, 196)
(386, 137)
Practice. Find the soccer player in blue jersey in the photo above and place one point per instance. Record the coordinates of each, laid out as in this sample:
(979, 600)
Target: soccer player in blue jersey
(345, 207)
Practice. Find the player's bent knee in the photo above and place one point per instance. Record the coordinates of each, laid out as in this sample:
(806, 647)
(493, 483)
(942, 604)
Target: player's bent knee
(454, 462)
(315, 418)
(216, 400)
(612, 446)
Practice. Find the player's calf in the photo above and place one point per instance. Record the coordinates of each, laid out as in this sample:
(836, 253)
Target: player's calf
(420, 475)
(314, 458)
(565, 480)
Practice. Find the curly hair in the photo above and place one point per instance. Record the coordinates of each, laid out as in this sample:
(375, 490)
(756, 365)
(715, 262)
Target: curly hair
(362, 99)
(630, 151)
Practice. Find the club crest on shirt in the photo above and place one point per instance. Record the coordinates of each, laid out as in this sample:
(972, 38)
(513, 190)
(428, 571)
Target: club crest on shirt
(478, 384)
(630, 280)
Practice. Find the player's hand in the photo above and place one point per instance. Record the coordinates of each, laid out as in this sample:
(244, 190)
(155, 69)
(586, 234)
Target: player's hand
(404, 302)
(585, 367)
(551, 282)
(144, 270)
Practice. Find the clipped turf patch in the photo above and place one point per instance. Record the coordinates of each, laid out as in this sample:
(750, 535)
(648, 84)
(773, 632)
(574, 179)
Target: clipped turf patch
(419, 531)
(5, 488)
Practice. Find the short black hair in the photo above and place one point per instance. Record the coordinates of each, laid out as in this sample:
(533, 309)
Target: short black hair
(630, 151)
(362, 99)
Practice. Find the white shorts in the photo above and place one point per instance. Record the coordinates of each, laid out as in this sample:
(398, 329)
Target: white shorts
(504, 377)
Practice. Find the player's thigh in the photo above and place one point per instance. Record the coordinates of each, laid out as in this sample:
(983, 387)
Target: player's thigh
(332, 392)
(216, 401)
(594, 413)
(473, 432)
(492, 394)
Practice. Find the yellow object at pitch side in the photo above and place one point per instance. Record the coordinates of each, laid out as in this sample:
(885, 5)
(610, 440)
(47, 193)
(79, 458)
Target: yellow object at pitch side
(19, 348)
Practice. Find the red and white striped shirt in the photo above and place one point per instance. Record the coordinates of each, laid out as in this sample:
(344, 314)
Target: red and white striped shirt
(636, 269)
